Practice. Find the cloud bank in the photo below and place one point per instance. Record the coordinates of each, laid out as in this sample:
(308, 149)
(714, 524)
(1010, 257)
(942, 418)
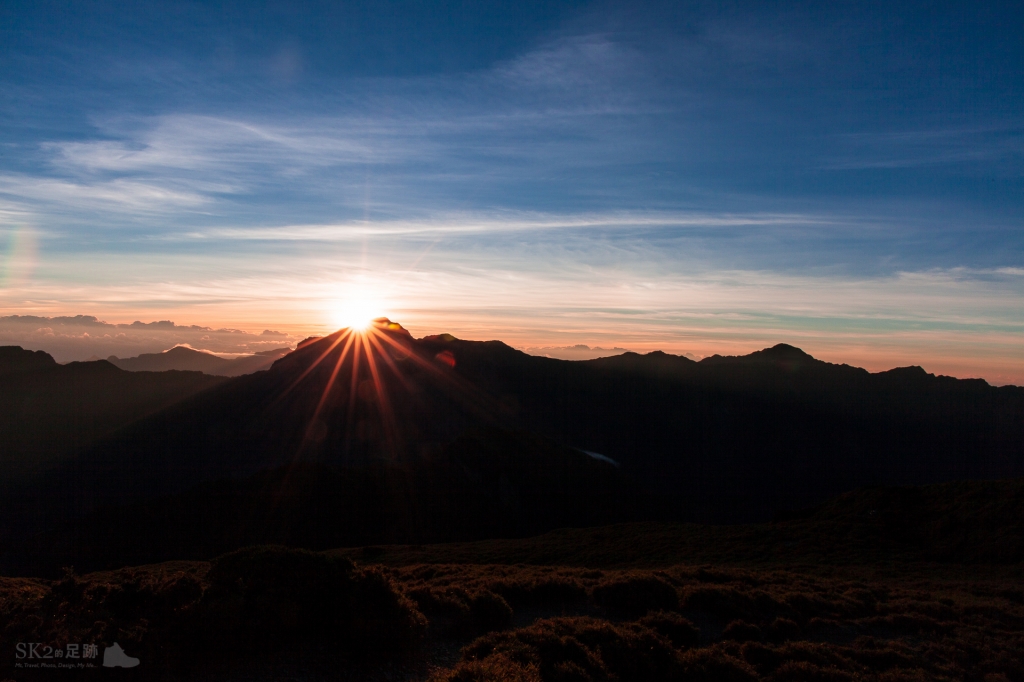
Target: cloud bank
(82, 337)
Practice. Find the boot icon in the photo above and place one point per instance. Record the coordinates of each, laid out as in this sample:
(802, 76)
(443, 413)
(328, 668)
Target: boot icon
(115, 657)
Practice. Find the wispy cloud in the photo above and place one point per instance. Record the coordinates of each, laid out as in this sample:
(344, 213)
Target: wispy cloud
(508, 221)
(392, 145)
(190, 143)
(119, 195)
(578, 69)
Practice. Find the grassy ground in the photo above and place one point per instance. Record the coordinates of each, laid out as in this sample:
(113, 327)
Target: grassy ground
(467, 621)
(886, 585)
(972, 523)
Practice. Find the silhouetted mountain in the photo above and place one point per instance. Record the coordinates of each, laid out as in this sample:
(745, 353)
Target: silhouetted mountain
(485, 484)
(16, 360)
(738, 438)
(723, 439)
(50, 411)
(187, 359)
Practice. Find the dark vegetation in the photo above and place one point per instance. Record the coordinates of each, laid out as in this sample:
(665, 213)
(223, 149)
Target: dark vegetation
(265, 613)
(251, 604)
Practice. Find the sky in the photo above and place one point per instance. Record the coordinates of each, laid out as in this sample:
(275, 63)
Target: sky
(698, 178)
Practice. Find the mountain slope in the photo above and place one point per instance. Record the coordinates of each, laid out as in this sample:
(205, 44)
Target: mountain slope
(485, 484)
(735, 439)
(964, 522)
(49, 412)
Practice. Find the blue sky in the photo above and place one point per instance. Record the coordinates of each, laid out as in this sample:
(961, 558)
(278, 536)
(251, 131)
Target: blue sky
(697, 177)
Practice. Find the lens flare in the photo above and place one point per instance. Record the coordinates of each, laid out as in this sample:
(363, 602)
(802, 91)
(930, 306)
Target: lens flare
(381, 362)
(17, 256)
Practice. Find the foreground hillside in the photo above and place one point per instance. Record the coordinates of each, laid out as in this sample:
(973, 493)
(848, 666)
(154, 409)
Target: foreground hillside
(640, 602)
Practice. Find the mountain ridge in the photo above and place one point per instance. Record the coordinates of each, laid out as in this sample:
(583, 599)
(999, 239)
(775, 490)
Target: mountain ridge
(50, 412)
(190, 359)
(724, 439)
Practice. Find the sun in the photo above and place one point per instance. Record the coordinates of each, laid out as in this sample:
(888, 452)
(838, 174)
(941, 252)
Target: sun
(356, 314)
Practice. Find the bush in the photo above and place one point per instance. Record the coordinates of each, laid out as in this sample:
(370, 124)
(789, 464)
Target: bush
(741, 631)
(489, 612)
(725, 603)
(496, 668)
(678, 630)
(267, 596)
(714, 665)
(783, 629)
(634, 595)
(545, 591)
(803, 671)
(584, 649)
(462, 613)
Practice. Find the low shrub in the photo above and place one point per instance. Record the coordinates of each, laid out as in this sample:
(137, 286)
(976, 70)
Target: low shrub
(584, 649)
(633, 595)
(742, 631)
(783, 629)
(268, 596)
(496, 668)
(803, 671)
(489, 612)
(714, 665)
(720, 602)
(552, 591)
(458, 611)
(682, 633)
(447, 608)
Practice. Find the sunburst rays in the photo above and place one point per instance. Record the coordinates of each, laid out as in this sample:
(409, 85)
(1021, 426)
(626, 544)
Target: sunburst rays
(374, 360)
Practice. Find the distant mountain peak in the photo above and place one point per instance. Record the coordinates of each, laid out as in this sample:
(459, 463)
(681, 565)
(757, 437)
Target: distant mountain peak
(440, 338)
(780, 353)
(275, 352)
(17, 359)
(783, 351)
(307, 341)
(911, 372)
(186, 350)
(186, 358)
